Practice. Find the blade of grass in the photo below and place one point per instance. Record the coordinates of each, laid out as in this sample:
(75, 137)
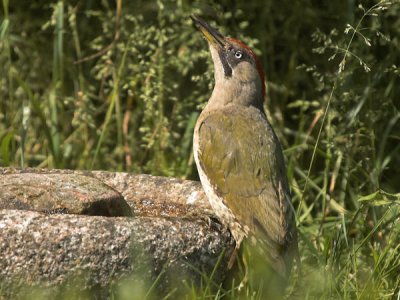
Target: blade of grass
(113, 99)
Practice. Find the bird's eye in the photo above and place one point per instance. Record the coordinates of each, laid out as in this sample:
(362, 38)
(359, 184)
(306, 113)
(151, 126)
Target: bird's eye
(238, 54)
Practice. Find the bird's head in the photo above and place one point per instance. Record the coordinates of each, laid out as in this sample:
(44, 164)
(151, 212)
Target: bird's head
(235, 64)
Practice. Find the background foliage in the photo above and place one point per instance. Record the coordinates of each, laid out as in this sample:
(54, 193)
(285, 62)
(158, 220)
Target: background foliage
(118, 85)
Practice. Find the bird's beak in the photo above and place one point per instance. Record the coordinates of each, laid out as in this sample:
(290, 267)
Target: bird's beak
(212, 35)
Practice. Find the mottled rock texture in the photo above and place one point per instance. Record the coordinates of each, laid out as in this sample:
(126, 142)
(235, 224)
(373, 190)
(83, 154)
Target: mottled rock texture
(61, 193)
(146, 194)
(157, 230)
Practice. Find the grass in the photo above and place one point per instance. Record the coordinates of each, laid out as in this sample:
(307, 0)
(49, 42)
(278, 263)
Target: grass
(118, 86)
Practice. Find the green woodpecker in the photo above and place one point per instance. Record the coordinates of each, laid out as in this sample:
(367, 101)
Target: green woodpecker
(239, 157)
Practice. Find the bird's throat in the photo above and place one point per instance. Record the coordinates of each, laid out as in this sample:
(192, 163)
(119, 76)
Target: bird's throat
(229, 92)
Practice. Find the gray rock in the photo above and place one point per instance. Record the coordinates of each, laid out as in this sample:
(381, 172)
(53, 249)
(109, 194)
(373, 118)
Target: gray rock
(61, 193)
(148, 195)
(173, 236)
(47, 250)
(158, 196)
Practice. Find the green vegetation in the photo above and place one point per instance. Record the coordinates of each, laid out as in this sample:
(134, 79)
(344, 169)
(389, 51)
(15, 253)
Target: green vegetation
(118, 85)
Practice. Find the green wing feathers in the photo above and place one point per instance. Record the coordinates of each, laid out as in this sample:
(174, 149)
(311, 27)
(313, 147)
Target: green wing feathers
(242, 158)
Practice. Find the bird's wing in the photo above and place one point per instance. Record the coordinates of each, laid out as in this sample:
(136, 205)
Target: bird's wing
(242, 158)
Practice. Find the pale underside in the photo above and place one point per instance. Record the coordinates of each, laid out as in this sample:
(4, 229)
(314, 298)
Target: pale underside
(242, 170)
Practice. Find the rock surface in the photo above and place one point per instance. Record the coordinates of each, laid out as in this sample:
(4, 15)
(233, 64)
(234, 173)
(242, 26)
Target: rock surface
(171, 237)
(147, 195)
(38, 249)
(61, 193)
